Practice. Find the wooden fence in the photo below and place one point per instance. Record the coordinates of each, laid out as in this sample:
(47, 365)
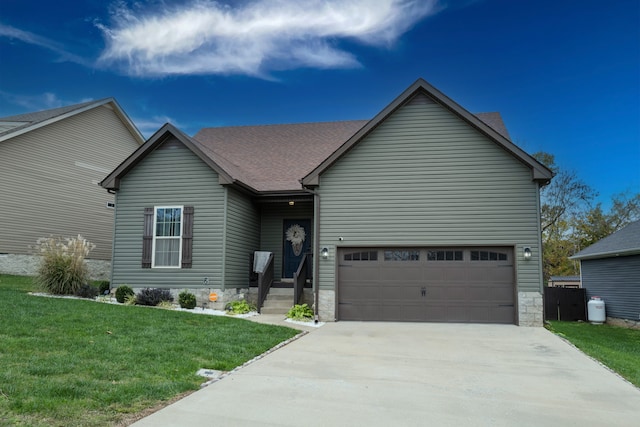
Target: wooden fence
(568, 304)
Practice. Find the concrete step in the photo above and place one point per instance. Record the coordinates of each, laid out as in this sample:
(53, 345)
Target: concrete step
(283, 304)
(281, 291)
(267, 310)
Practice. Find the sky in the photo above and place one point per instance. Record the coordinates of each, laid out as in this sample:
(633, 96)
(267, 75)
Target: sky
(564, 74)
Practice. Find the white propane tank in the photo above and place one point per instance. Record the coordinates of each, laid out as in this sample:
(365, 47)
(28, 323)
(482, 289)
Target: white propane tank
(596, 311)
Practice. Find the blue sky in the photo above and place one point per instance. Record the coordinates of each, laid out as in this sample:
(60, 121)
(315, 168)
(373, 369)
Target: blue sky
(565, 75)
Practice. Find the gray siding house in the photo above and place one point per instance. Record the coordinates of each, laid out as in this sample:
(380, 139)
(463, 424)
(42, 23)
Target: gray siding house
(50, 165)
(610, 269)
(424, 213)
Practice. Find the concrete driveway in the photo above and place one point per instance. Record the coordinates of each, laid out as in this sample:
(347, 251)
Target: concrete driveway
(410, 374)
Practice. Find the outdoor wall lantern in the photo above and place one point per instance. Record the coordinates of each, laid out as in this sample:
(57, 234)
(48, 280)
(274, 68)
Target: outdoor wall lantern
(324, 253)
(291, 203)
(527, 254)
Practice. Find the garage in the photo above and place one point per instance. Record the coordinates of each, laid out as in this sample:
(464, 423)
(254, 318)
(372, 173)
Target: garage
(467, 285)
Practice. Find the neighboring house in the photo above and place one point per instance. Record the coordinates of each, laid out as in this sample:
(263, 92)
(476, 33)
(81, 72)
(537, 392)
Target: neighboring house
(50, 165)
(424, 213)
(564, 282)
(610, 269)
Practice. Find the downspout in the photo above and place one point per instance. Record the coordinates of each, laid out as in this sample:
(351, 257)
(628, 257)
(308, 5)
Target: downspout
(113, 236)
(316, 250)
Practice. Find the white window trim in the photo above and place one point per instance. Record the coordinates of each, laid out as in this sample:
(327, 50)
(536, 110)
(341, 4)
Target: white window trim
(153, 247)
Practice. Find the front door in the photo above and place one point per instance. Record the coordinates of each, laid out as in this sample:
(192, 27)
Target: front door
(297, 242)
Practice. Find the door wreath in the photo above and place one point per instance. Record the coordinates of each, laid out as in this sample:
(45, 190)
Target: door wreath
(296, 235)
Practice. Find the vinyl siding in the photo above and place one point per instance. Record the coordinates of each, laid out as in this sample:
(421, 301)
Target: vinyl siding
(169, 176)
(49, 181)
(242, 237)
(271, 227)
(617, 282)
(425, 177)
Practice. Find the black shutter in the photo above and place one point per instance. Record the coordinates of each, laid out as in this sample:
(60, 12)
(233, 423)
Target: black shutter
(187, 237)
(147, 238)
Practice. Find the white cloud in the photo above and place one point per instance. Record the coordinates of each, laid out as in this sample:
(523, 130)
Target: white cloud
(149, 126)
(34, 39)
(252, 38)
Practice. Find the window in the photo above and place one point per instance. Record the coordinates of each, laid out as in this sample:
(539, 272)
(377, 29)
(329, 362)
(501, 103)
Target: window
(402, 255)
(444, 255)
(168, 236)
(361, 256)
(488, 256)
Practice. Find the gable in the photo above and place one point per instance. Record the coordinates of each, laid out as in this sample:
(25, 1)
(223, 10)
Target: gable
(423, 143)
(539, 172)
(177, 138)
(13, 126)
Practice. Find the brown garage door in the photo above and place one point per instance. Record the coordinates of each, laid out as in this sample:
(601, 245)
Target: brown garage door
(427, 284)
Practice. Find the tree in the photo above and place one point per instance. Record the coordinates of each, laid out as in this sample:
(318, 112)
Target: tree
(596, 224)
(566, 195)
(565, 198)
(570, 222)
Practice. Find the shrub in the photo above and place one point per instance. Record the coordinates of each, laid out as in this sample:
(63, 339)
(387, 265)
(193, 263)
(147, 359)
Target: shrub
(104, 286)
(300, 312)
(130, 300)
(63, 269)
(123, 292)
(87, 291)
(239, 307)
(187, 300)
(167, 305)
(153, 296)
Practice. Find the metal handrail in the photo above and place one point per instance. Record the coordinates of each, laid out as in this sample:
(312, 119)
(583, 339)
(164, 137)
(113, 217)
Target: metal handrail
(265, 280)
(300, 278)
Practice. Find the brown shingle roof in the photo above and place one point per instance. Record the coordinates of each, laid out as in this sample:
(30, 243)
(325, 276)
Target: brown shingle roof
(275, 157)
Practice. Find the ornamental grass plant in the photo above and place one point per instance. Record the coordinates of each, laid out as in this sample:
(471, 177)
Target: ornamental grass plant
(63, 269)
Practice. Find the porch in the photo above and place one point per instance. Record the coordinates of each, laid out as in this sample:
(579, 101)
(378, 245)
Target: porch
(283, 277)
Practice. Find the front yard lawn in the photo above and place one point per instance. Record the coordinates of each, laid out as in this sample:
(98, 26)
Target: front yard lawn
(616, 347)
(68, 362)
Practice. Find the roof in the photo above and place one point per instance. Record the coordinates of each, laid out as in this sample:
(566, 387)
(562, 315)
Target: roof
(539, 172)
(112, 181)
(623, 242)
(19, 124)
(565, 278)
(277, 158)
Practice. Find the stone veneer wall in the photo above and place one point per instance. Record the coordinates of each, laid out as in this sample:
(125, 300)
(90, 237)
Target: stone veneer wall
(202, 296)
(327, 306)
(530, 309)
(27, 265)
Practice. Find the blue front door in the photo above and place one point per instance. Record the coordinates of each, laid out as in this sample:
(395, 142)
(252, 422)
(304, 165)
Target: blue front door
(296, 236)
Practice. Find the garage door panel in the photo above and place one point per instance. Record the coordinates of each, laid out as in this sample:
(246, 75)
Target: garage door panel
(356, 272)
(393, 272)
(399, 292)
(421, 289)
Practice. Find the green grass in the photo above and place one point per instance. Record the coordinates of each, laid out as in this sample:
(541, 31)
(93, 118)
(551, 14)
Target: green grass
(616, 347)
(67, 362)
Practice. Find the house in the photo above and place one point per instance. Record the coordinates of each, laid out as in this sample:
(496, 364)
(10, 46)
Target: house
(424, 213)
(50, 165)
(564, 282)
(610, 269)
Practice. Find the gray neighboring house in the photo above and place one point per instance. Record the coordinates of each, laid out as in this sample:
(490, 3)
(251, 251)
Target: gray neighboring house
(610, 269)
(50, 165)
(424, 213)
